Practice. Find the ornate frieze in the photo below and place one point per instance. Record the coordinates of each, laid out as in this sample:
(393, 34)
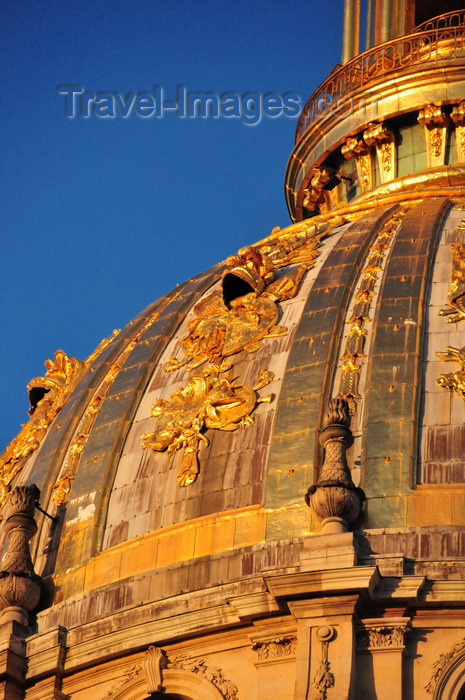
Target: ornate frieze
(275, 648)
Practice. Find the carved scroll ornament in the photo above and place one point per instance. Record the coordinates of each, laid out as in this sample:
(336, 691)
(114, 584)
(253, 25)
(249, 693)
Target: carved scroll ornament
(453, 380)
(47, 395)
(456, 294)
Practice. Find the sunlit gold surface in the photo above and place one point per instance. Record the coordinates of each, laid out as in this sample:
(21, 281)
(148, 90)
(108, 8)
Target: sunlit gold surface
(456, 295)
(408, 51)
(223, 327)
(207, 401)
(435, 123)
(61, 377)
(454, 380)
(353, 354)
(382, 136)
(400, 76)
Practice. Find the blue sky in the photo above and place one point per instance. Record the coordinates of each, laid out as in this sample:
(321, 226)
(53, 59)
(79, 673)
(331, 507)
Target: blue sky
(103, 215)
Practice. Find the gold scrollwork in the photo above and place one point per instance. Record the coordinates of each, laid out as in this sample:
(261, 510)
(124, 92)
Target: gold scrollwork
(244, 312)
(456, 294)
(355, 338)
(206, 401)
(453, 380)
(47, 395)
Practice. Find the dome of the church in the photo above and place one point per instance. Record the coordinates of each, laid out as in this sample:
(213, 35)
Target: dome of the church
(269, 459)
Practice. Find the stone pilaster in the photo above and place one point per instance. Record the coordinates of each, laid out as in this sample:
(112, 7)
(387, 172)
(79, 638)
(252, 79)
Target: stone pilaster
(380, 646)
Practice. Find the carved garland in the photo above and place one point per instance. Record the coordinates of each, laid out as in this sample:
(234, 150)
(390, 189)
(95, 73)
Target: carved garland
(442, 663)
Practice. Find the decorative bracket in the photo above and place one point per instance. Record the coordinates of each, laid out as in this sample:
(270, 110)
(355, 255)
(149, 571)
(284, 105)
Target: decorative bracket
(355, 147)
(436, 124)
(382, 137)
(458, 117)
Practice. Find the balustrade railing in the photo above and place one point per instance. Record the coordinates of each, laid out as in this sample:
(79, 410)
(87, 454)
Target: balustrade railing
(429, 46)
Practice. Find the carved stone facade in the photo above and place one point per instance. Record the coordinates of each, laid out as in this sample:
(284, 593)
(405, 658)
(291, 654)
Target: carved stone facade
(256, 489)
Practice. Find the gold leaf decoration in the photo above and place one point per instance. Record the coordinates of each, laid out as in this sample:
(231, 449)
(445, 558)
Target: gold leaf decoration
(207, 401)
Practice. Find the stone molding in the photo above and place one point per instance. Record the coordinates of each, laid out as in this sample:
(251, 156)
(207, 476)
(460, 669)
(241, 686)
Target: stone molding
(443, 669)
(183, 675)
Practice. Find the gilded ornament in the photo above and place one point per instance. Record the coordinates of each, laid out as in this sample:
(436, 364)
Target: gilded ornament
(453, 380)
(355, 338)
(435, 140)
(381, 135)
(436, 123)
(243, 312)
(208, 401)
(458, 117)
(456, 294)
(47, 395)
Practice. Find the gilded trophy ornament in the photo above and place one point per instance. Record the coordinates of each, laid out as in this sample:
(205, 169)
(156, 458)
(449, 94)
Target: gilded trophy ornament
(207, 401)
(244, 310)
(240, 314)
